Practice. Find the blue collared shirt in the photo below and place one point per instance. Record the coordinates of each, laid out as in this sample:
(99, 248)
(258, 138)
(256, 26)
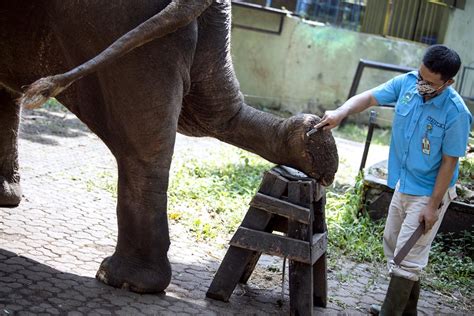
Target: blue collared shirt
(444, 121)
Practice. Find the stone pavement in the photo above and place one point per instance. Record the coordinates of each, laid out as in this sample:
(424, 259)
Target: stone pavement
(52, 244)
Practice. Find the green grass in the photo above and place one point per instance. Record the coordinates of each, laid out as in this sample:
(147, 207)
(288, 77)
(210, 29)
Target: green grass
(53, 105)
(351, 232)
(212, 196)
(451, 265)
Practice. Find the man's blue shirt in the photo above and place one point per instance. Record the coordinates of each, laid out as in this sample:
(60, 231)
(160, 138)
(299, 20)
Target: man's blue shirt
(443, 120)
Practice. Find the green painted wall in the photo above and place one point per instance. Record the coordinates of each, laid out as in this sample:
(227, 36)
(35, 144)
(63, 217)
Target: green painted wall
(308, 67)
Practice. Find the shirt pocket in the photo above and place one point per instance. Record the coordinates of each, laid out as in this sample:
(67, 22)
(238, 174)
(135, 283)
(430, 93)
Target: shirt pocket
(401, 114)
(435, 136)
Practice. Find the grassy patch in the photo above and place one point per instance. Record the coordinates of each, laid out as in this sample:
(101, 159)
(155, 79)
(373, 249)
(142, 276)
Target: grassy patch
(451, 266)
(53, 105)
(352, 233)
(212, 196)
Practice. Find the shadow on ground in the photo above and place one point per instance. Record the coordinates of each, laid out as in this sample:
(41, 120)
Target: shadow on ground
(41, 126)
(29, 286)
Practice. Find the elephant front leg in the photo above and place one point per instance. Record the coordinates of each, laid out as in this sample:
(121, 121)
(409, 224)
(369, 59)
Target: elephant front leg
(282, 141)
(140, 261)
(10, 190)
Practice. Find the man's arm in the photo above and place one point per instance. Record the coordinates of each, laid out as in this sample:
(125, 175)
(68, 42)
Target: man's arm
(430, 213)
(356, 104)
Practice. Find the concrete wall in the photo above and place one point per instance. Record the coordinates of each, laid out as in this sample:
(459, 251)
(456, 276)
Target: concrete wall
(459, 35)
(460, 38)
(308, 67)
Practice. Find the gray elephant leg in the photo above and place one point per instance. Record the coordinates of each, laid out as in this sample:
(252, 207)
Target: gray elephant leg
(10, 190)
(140, 261)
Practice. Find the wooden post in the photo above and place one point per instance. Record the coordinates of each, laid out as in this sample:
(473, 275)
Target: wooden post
(301, 274)
(320, 281)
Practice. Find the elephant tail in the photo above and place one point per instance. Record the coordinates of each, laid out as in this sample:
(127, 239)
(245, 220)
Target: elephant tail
(41, 90)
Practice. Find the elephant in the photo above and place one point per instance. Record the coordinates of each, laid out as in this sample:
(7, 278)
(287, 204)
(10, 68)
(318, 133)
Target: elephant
(136, 73)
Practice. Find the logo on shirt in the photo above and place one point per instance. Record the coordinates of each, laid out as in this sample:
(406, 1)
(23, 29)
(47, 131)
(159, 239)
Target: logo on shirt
(406, 98)
(435, 122)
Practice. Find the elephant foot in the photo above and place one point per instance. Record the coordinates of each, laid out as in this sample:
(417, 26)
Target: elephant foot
(315, 154)
(10, 193)
(135, 275)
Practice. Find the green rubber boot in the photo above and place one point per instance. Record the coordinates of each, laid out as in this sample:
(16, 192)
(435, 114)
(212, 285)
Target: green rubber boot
(398, 294)
(411, 308)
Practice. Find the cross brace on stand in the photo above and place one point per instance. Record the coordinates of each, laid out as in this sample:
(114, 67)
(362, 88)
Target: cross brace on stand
(290, 202)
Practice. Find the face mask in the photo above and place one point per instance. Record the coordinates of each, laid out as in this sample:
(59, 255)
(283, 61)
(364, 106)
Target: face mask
(425, 89)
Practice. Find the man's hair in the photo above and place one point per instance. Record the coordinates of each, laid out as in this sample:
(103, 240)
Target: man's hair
(442, 60)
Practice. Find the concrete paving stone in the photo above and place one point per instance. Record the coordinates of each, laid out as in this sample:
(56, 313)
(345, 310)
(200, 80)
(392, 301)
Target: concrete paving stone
(36, 309)
(10, 309)
(125, 311)
(26, 291)
(103, 312)
(15, 285)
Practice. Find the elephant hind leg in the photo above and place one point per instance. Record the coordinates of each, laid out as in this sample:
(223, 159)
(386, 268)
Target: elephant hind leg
(10, 190)
(143, 146)
(140, 261)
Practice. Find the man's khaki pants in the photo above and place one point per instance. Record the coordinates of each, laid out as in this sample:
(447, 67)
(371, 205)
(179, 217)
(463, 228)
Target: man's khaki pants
(402, 221)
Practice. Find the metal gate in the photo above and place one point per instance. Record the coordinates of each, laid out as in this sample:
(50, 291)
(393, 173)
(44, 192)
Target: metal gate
(422, 21)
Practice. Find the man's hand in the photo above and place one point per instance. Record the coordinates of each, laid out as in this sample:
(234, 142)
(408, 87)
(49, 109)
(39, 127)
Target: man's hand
(429, 215)
(331, 119)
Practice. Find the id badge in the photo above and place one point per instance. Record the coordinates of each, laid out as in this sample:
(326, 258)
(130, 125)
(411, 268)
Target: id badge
(425, 146)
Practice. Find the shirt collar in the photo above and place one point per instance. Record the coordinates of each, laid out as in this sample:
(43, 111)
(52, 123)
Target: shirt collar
(438, 101)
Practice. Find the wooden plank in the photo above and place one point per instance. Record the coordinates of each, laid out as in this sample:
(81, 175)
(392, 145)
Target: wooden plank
(320, 282)
(320, 269)
(238, 263)
(319, 192)
(319, 246)
(274, 185)
(272, 244)
(281, 208)
(300, 274)
(229, 273)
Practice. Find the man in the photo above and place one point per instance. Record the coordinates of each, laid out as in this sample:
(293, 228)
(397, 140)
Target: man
(430, 132)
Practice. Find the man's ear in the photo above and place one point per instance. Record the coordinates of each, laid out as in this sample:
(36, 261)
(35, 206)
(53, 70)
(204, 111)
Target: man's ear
(450, 82)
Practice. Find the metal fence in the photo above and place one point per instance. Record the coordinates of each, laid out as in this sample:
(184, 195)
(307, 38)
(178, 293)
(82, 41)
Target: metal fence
(466, 83)
(341, 13)
(345, 14)
(422, 21)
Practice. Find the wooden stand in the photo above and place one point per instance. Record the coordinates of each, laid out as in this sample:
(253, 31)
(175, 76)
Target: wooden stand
(290, 202)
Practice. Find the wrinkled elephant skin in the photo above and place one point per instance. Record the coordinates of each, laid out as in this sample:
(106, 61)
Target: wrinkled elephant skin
(171, 74)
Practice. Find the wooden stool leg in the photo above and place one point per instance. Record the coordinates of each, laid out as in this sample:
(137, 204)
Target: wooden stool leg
(250, 267)
(301, 288)
(230, 271)
(301, 274)
(320, 280)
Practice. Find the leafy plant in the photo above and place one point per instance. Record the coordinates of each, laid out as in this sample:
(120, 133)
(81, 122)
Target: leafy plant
(352, 232)
(451, 265)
